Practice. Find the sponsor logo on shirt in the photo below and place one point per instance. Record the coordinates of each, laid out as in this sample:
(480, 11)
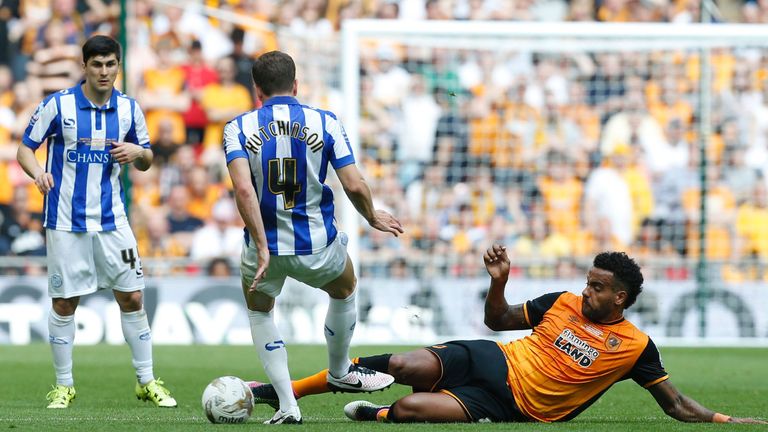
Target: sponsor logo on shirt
(85, 155)
(581, 352)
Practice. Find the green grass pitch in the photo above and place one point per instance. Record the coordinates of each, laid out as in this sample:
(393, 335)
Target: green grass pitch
(729, 380)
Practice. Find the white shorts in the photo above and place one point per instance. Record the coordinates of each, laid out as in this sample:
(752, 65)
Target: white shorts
(315, 270)
(81, 263)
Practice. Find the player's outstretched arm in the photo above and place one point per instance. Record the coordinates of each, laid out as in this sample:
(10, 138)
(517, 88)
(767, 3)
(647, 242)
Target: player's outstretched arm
(683, 408)
(360, 194)
(248, 206)
(499, 315)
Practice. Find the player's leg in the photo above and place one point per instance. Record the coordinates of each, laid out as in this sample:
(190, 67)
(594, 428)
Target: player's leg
(70, 275)
(416, 407)
(137, 334)
(267, 339)
(118, 266)
(332, 271)
(420, 369)
(61, 336)
(340, 319)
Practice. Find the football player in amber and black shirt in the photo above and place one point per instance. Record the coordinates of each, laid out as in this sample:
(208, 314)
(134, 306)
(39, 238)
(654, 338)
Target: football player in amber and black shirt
(580, 346)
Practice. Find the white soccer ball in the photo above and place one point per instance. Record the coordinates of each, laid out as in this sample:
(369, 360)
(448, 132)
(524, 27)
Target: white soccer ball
(228, 399)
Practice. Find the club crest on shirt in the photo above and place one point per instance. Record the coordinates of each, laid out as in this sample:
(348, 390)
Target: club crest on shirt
(612, 343)
(581, 352)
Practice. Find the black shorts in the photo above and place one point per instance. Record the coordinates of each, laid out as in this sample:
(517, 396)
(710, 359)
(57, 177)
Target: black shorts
(474, 372)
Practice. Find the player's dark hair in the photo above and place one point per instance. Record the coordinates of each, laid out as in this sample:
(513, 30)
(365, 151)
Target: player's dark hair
(274, 72)
(625, 271)
(101, 46)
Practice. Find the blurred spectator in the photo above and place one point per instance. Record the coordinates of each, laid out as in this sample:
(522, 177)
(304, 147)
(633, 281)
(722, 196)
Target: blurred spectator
(391, 82)
(9, 10)
(633, 126)
(222, 101)
(21, 232)
(608, 203)
(181, 225)
(57, 63)
(626, 160)
(752, 222)
(219, 268)
(721, 209)
(243, 62)
(739, 177)
(155, 240)
(197, 75)
(420, 115)
(678, 152)
(422, 195)
(162, 94)
(164, 146)
(463, 233)
(203, 193)
(561, 192)
(219, 237)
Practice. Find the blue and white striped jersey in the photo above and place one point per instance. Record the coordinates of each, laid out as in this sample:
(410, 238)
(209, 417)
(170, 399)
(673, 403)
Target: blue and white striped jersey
(289, 147)
(87, 193)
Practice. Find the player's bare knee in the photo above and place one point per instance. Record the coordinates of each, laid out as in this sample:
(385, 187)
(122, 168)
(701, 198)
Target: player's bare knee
(130, 302)
(407, 409)
(340, 291)
(398, 367)
(64, 307)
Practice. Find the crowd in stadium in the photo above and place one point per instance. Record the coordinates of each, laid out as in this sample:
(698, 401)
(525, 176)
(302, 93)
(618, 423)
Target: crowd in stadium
(557, 156)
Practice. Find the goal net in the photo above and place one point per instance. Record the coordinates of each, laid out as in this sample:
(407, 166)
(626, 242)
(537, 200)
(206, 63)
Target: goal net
(560, 141)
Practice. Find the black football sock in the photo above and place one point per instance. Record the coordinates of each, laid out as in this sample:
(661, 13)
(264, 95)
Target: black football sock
(379, 363)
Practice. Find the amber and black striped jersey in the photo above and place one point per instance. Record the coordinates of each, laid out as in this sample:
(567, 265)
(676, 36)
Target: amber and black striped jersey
(568, 362)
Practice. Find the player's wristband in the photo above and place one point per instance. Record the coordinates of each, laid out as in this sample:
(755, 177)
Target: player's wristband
(720, 418)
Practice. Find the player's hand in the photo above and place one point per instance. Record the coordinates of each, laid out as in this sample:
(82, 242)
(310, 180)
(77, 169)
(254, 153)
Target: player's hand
(44, 182)
(746, 420)
(385, 222)
(125, 153)
(497, 261)
(261, 270)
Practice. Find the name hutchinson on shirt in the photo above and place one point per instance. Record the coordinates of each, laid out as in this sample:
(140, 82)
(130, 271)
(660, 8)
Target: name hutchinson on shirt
(277, 128)
(89, 156)
(577, 349)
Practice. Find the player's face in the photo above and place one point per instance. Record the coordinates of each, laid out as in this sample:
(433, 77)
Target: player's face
(599, 298)
(101, 72)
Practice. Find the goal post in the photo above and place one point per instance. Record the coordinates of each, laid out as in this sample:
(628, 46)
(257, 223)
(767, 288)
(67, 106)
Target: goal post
(692, 284)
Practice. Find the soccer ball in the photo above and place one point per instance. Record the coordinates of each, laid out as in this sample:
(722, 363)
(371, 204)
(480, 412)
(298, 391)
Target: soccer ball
(228, 399)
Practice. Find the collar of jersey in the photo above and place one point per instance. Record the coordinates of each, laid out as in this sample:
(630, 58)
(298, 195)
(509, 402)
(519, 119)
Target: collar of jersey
(84, 103)
(282, 100)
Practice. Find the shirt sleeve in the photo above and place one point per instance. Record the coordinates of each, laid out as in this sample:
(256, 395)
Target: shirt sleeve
(234, 142)
(142, 134)
(341, 151)
(42, 124)
(648, 369)
(536, 308)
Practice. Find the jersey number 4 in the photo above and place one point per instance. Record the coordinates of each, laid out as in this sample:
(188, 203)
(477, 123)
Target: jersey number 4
(283, 180)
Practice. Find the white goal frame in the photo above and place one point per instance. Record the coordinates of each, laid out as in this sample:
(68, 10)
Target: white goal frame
(538, 37)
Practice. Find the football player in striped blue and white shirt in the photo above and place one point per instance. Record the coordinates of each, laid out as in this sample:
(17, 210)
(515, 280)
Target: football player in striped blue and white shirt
(278, 157)
(91, 130)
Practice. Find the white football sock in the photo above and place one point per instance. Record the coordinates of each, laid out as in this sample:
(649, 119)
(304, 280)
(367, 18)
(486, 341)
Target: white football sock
(273, 356)
(61, 336)
(139, 337)
(339, 328)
